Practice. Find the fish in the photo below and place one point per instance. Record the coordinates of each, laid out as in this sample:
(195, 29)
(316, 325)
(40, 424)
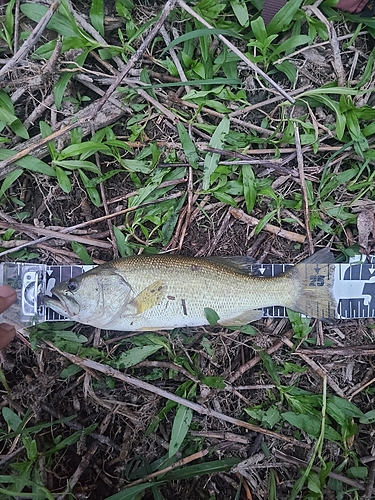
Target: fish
(163, 292)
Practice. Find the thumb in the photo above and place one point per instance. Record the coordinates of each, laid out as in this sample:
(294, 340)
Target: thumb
(7, 297)
(7, 334)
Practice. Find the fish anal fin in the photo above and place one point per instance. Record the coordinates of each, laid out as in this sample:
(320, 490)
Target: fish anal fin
(243, 318)
(148, 297)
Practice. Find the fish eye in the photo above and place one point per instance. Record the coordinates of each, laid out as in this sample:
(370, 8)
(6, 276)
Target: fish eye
(72, 285)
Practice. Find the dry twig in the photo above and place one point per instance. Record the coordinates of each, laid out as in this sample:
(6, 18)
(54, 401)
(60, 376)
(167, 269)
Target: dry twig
(168, 7)
(303, 187)
(336, 54)
(253, 221)
(191, 198)
(368, 493)
(91, 222)
(252, 362)
(31, 40)
(236, 51)
(209, 247)
(317, 369)
(29, 229)
(301, 463)
(90, 365)
(346, 351)
(85, 460)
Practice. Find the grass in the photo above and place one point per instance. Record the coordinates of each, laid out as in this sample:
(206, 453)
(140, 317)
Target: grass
(156, 165)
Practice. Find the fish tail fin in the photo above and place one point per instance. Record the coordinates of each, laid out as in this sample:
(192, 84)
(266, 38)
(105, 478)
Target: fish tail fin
(314, 278)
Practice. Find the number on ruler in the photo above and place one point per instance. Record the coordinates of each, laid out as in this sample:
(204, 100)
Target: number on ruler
(317, 280)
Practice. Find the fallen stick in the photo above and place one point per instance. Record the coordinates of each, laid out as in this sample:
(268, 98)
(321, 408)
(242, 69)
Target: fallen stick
(302, 464)
(28, 228)
(317, 369)
(37, 145)
(93, 221)
(31, 40)
(253, 221)
(353, 350)
(305, 202)
(90, 365)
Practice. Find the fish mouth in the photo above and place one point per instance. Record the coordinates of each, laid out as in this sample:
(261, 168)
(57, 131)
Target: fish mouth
(65, 306)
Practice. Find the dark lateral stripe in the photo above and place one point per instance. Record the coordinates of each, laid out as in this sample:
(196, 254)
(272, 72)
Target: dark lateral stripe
(183, 303)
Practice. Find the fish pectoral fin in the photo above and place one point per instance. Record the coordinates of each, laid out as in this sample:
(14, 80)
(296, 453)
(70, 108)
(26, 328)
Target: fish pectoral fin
(147, 298)
(242, 319)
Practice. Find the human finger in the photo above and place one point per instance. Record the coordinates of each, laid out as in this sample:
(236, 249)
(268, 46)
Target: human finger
(7, 297)
(353, 6)
(7, 334)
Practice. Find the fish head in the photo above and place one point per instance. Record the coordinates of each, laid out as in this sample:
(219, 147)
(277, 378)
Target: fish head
(93, 298)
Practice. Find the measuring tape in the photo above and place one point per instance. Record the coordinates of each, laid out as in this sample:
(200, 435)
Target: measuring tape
(354, 288)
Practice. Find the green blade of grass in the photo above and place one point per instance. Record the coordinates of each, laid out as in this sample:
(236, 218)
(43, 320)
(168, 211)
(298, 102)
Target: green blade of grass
(97, 15)
(188, 146)
(82, 253)
(199, 33)
(211, 315)
(8, 181)
(204, 468)
(212, 159)
(63, 180)
(180, 428)
(132, 492)
(135, 356)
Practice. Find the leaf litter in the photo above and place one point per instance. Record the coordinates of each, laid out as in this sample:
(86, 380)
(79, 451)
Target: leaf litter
(120, 140)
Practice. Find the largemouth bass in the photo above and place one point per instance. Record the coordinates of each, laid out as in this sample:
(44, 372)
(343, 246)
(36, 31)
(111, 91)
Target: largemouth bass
(155, 292)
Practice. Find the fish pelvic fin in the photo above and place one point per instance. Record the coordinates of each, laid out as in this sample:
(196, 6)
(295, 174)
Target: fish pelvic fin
(314, 278)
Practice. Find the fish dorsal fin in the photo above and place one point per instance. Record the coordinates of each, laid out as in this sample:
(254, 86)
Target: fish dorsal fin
(240, 264)
(242, 319)
(148, 297)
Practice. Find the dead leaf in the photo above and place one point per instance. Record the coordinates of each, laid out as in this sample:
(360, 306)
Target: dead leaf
(313, 56)
(366, 227)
